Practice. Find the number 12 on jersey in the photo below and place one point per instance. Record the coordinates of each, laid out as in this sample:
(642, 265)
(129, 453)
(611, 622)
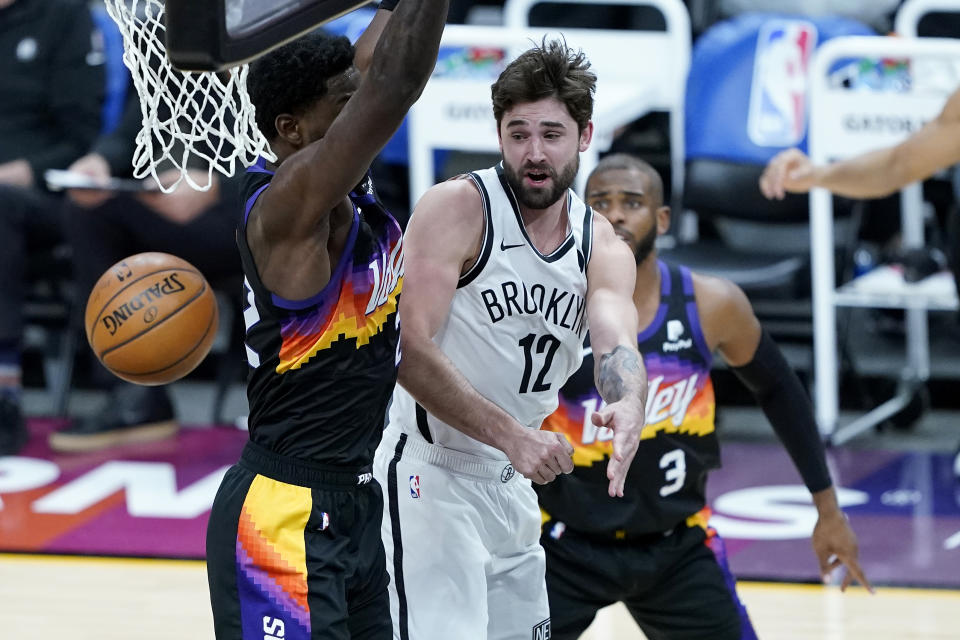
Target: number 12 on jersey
(532, 344)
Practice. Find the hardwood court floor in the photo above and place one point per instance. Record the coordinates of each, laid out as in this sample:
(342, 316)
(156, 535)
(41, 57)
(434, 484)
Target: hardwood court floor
(74, 598)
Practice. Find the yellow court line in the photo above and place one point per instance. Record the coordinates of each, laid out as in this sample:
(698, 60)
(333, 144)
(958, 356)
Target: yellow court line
(855, 589)
(60, 559)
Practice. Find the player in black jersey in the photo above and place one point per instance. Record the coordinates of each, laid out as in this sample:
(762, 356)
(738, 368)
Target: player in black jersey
(647, 549)
(293, 543)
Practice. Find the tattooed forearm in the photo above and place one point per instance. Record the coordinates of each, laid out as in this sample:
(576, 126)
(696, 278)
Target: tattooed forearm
(620, 372)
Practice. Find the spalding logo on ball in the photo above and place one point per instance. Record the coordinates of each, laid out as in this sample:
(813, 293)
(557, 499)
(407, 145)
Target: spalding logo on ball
(151, 318)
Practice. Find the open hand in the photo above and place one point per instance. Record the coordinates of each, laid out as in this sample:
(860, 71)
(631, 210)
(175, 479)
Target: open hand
(835, 544)
(626, 420)
(788, 171)
(95, 166)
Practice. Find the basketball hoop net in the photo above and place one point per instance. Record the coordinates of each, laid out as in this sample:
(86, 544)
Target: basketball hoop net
(200, 120)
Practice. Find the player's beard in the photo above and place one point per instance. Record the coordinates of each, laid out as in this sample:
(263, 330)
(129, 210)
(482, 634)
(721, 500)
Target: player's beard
(644, 247)
(537, 197)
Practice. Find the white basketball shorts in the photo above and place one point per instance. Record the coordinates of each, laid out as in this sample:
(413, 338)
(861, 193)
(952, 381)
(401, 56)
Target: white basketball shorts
(462, 541)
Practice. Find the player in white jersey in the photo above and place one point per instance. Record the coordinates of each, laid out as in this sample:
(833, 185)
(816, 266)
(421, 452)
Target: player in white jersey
(504, 270)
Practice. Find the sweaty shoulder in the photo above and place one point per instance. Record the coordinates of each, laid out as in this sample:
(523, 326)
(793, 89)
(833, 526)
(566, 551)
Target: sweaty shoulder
(457, 200)
(723, 308)
(448, 219)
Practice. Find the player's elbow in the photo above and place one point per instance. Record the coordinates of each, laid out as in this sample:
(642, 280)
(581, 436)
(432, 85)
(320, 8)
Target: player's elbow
(400, 88)
(414, 343)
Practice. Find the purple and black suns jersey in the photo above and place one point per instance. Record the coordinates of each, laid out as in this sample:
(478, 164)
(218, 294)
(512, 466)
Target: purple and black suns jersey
(322, 369)
(678, 446)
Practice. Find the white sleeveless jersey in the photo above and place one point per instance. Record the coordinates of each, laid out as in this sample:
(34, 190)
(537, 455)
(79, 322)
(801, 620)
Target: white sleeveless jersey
(517, 320)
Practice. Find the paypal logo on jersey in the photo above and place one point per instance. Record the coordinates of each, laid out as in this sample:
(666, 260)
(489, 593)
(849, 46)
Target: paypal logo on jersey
(778, 95)
(675, 329)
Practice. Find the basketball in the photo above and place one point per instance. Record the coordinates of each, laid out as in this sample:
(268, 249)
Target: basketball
(151, 318)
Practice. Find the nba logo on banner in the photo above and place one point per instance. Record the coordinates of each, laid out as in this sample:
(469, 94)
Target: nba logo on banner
(778, 96)
(414, 486)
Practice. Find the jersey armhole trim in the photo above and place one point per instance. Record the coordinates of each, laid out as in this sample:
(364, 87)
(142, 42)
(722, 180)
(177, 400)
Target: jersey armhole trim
(693, 317)
(252, 200)
(666, 279)
(335, 278)
(687, 278)
(693, 314)
(486, 246)
(586, 246)
(655, 325)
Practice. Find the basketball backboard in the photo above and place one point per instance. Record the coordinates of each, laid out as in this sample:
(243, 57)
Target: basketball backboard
(216, 34)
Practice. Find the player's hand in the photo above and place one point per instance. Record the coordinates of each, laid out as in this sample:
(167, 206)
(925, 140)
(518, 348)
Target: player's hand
(184, 203)
(95, 166)
(788, 171)
(835, 544)
(626, 420)
(541, 456)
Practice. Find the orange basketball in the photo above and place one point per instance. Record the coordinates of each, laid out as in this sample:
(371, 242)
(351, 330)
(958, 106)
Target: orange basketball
(151, 318)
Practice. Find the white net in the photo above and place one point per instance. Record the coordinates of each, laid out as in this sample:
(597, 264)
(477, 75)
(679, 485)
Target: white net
(191, 120)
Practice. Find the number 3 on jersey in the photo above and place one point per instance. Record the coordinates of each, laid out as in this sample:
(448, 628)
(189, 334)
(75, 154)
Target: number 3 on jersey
(546, 343)
(674, 464)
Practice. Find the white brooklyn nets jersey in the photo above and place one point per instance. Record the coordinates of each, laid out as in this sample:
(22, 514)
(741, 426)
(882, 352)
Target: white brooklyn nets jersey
(517, 320)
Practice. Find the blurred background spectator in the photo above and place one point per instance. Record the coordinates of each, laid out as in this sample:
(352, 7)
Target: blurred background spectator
(64, 93)
(51, 91)
(103, 227)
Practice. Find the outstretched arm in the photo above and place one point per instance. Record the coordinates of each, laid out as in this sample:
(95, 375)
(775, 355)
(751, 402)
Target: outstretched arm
(444, 236)
(309, 183)
(731, 328)
(619, 373)
(874, 174)
(367, 42)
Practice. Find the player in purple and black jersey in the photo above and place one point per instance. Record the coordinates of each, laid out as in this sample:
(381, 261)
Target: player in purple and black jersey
(652, 549)
(293, 544)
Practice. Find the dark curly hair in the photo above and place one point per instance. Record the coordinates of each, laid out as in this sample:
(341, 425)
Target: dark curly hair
(549, 70)
(291, 78)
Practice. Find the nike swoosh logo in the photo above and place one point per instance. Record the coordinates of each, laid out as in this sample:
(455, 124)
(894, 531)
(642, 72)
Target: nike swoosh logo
(504, 247)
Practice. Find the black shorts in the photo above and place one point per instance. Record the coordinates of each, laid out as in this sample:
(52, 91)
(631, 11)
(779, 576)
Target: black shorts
(673, 585)
(294, 552)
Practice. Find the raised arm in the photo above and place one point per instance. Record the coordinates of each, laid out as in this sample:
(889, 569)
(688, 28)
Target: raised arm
(313, 180)
(442, 239)
(874, 174)
(731, 328)
(620, 375)
(367, 42)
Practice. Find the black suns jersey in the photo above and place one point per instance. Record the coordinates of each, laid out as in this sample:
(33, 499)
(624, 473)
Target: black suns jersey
(666, 482)
(322, 369)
